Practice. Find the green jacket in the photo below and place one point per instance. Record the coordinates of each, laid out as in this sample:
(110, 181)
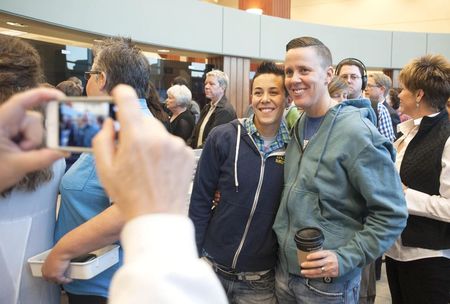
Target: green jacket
(345, 183)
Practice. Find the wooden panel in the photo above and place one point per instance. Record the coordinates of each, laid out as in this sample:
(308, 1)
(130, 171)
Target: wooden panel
(237, 93)
(277, 8)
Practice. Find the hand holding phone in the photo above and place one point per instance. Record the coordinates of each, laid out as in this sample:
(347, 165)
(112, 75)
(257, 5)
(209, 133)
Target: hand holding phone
(72, 123)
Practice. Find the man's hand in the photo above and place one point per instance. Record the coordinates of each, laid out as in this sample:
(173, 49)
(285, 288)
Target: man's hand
(21, 132)
(149, 171)
(321, 264)
(55, 267)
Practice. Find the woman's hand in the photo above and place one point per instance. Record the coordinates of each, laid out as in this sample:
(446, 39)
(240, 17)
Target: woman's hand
(321, 264)
(55, 267)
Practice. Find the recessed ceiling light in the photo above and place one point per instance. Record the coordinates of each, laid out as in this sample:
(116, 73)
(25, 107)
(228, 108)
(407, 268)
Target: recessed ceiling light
(163, 51)
(256, 11)
(12, 32)
(17, 24)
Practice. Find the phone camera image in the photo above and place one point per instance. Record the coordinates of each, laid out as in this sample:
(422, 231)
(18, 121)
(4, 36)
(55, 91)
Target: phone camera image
(79, 121)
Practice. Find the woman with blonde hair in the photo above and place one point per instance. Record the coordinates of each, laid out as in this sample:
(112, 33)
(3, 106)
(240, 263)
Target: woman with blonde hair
(338, 89)
(418, 265)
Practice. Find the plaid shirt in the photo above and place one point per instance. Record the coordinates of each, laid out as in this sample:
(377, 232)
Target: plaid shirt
(385, 122)
(281, 140)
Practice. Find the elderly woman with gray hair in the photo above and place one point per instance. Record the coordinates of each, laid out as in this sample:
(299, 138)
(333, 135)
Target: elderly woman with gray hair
(217, 112)
(182, 122)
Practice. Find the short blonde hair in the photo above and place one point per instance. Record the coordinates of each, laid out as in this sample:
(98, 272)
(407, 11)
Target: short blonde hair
(382, 80)
(430, 73)
(337, 86)
(222, 78)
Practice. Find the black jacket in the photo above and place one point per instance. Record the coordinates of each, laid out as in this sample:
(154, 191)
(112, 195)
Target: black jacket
(223, 113)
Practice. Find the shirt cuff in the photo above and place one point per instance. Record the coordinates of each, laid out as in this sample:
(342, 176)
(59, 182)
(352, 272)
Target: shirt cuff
(159, 237)
(415, 201)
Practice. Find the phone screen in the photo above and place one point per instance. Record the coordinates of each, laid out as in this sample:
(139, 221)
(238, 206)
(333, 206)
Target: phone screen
(78, 121)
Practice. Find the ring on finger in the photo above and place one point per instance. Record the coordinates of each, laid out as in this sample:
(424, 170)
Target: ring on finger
(322, 269)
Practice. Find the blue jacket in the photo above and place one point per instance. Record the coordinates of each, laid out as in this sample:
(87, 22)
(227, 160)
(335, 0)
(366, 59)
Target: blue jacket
(345, 183)
(238, 233)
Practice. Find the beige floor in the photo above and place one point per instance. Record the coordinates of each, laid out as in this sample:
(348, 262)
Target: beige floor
(383, 294)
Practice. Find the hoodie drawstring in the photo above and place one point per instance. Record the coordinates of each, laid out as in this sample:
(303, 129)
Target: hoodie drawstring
(238, 141)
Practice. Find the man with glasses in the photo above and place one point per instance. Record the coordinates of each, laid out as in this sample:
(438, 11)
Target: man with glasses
(354, 72)
(87, 220)
(378, 86)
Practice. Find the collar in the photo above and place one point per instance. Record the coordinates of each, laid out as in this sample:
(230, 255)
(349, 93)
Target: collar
(281, 136)
(408, 125)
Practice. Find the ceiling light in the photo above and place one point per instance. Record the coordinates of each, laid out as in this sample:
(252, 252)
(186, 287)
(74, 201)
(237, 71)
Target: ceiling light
(17, 24)
(12, 32)
(163, 51)
(256, 11)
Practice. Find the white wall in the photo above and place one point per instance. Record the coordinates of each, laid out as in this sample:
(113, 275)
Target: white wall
(198, 26)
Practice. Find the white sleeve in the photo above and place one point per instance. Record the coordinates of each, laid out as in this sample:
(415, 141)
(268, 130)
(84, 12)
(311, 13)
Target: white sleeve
(161, 264)
(433, 206)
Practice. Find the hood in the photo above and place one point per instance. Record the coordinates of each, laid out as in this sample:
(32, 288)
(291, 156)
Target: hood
(361, 103)
(366, 111)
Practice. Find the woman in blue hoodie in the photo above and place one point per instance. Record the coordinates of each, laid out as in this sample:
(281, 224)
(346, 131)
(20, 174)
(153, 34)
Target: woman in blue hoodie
(243, 161)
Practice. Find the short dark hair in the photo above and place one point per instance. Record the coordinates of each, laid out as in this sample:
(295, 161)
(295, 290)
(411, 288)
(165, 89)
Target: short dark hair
(430, 73)
(322, 50)
(352, 61)
(69, 88)
(394, 99)
(122, 62)
(20, 66)
(269, 67)
(181, 81)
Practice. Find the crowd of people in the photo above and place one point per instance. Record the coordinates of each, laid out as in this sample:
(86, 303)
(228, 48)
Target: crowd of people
(371, 180)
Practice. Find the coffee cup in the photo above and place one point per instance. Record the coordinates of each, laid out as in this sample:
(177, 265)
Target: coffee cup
(308, 240)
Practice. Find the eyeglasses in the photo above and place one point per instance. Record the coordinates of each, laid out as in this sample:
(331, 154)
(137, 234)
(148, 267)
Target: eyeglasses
(87, 75)
(352, 76)
(373, 86)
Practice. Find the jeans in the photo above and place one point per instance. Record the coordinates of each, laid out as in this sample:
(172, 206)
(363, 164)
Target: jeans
(261, 291)
(293, 289)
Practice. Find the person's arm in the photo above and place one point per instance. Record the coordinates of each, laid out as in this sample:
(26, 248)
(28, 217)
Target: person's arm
(433, 206)
(146, 278)
(183, 129)
(81, 240)
(21, 133)
(221, 117)
(148, 175)
(374, 176)
(205, 185)
(385, 121)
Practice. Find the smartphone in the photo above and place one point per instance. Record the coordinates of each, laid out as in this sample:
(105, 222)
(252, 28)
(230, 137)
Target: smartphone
(72, 123)
(84, 258)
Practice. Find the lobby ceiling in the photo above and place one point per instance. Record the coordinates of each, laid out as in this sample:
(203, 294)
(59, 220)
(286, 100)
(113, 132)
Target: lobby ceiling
(432, 16)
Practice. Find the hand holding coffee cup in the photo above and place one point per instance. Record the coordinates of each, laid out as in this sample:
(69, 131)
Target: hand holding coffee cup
(308, 240)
